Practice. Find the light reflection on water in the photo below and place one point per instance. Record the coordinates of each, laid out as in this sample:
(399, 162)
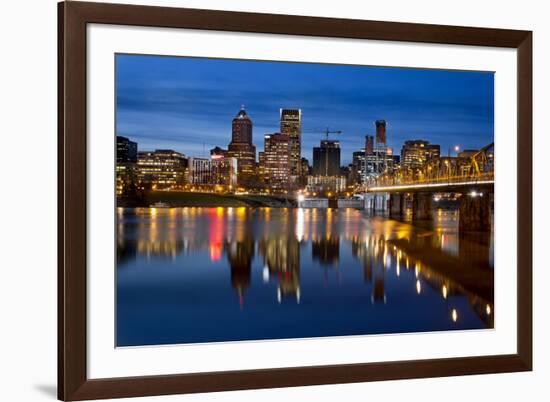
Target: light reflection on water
(218, 274)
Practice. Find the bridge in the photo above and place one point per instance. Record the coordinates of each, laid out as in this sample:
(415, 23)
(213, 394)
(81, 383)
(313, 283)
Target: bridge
(471, 177)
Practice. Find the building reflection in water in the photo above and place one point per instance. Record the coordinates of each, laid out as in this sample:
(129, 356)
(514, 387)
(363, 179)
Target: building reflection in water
(236, 237)
(281, 256)
(239, 248)
(239, 254)
(326, 249)
(367, 251)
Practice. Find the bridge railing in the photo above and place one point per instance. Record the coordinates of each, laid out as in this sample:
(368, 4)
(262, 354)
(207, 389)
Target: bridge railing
(399, 181)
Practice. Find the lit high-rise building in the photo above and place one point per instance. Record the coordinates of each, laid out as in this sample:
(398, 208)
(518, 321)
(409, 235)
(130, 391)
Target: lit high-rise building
(291, 125)
(358, 166)
(416, 152)
(241, 147)
(276, 160)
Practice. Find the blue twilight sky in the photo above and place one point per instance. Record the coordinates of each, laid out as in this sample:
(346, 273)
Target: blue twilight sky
(187, 104)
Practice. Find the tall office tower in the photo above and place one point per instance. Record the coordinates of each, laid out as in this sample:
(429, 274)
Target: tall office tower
(369, 145)
(126, 150)
(359, 165)
(326, 159)
(276, 160)
(291, 125)
(380, 131)
(241, 147)
(416, 152)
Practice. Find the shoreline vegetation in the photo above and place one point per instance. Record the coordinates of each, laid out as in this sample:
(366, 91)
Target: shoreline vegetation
(198, 199)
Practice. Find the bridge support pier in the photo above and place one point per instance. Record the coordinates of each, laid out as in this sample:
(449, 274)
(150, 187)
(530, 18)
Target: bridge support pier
(376, 202)
(397, 205)
(369, 202)
(422, 206)
(474, 213)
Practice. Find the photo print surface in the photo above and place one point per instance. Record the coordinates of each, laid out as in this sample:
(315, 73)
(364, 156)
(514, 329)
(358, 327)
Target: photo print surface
(273, 200)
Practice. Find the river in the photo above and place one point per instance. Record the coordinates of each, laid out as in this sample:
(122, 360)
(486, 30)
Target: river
(189, 275)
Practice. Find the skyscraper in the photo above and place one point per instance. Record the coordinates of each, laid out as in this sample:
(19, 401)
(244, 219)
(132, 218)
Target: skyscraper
(241, 147)
(291, 125)
(358, 166)
(380, 131)
(126, 150)
(276, 160)
(326, 159)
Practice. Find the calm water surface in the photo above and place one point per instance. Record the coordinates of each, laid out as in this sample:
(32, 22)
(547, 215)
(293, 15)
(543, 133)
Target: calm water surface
(188, 275)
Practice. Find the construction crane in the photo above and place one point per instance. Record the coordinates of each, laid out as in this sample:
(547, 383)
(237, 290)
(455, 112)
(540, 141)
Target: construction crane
(327, 132)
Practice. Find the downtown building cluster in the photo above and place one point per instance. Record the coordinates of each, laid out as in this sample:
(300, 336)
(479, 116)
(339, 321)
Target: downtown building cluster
(280, 167)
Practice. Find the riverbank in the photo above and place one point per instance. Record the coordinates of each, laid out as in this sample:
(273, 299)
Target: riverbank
(206, 200)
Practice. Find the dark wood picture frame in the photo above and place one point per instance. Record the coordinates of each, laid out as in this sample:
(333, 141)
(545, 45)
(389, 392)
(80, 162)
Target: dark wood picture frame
(73, 17)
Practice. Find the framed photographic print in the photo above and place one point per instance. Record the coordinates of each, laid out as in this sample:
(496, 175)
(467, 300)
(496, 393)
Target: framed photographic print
(252, 200)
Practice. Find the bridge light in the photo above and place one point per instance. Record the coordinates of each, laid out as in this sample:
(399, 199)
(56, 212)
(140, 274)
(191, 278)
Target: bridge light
(473, 194)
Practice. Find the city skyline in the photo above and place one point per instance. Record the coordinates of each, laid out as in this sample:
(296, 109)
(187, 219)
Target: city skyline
(187, 104)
